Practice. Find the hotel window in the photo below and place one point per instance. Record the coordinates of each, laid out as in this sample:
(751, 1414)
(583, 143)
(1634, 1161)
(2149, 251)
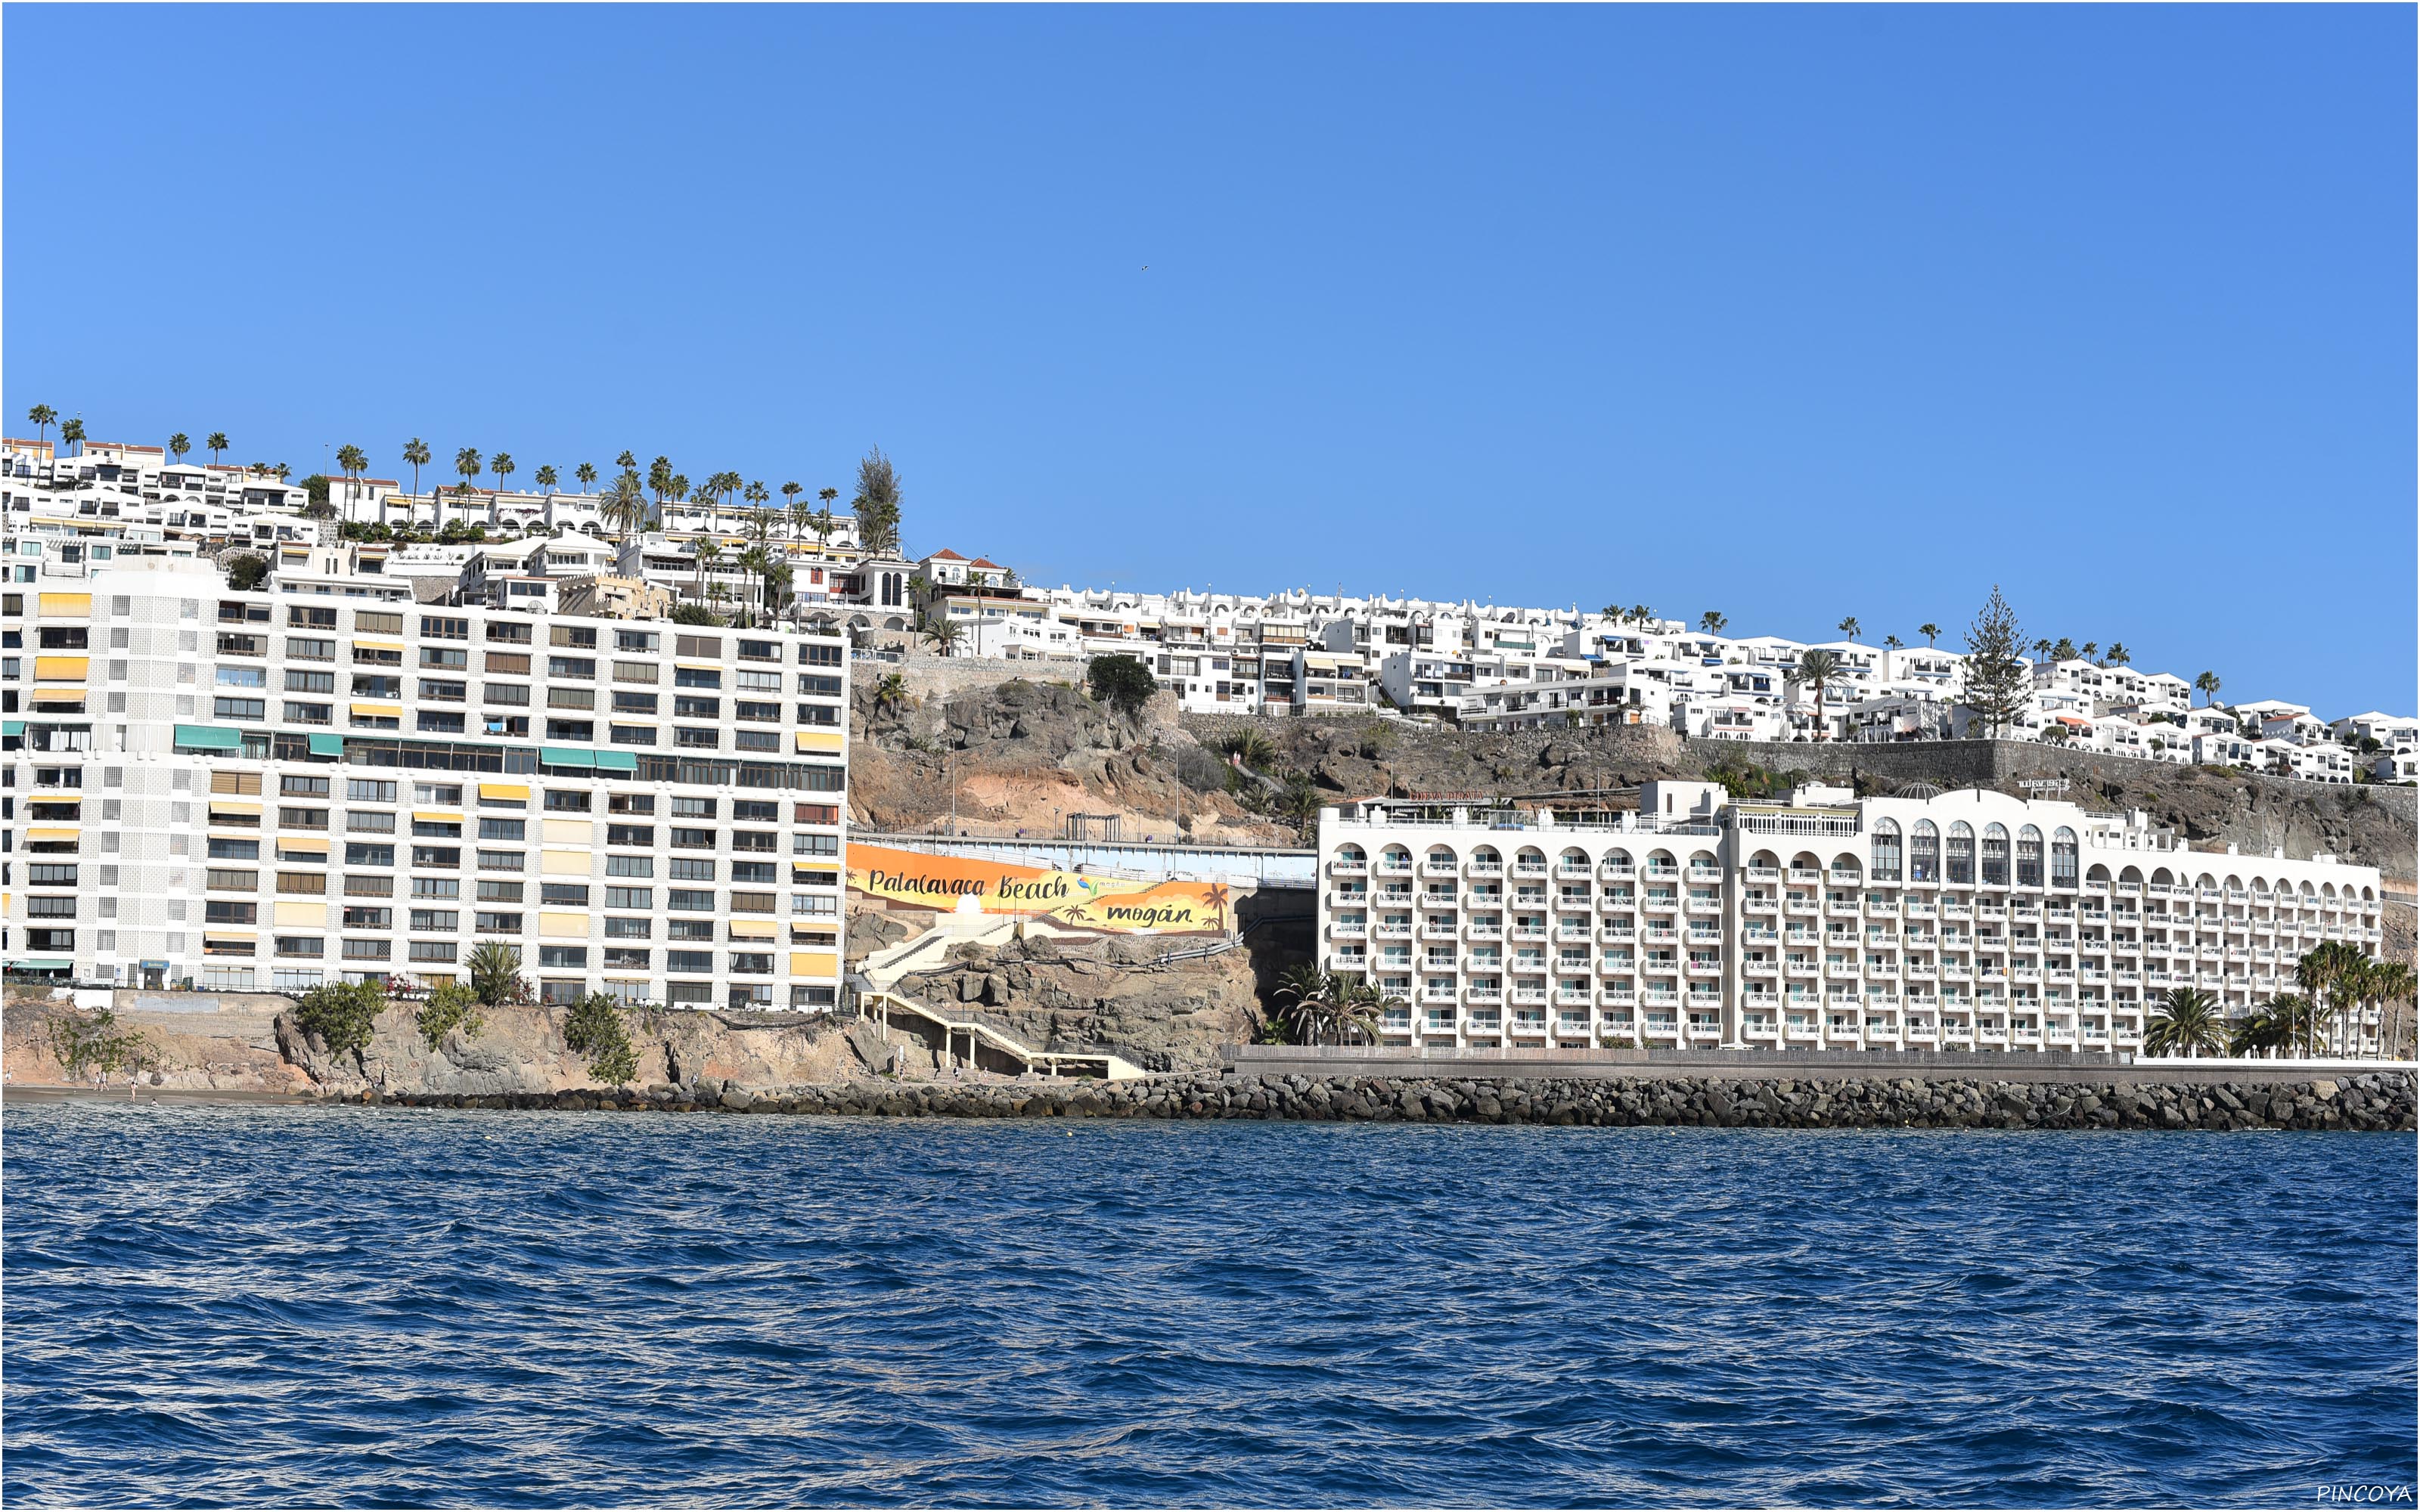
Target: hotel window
(710, 647)
(439, 722)
(631, 803)
(241, 709)
(817, 713)
(579, 666)
(626, 702)
(443, 628)
(450, 659)
(563, 957)
(369, 917)
(629, 897)
(436, 920)
(557, 894)
(310, 945)
(300, 680)
(579, 637)
(234, 850)
(697, 708)
(449, 691)
(311, 617)
(627, 929)
(512, 663)
(502, 828)
(634, 672)
(629, 834)
(687, 900)
(763, 872)
(689, 929)
(511, 632)
(437, 855)
(500, 860)
(756, 740)
(493, 890)
(696, 739)
(686, 870)
(811, 654)
(309, 713)
(581, 730)
(696, 677)
(566, 800)
(436, 887)
(629, 866)
(432, 949)
(643, 640)
(498, 923)
(686, 808)
(360, 854)
(510, 695)
(632, 734)
(699, 961)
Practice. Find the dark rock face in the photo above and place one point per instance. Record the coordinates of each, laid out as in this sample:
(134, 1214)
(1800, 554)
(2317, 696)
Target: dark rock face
(2377, 1102)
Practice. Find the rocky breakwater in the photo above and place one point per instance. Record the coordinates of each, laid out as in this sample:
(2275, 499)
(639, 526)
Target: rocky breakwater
(2375, 1101)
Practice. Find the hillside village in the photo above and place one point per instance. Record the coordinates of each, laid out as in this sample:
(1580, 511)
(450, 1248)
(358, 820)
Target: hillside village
(651, 542)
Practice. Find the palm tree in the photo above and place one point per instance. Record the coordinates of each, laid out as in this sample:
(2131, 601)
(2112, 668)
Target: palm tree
(890, 690)
(624, 505)
(586, 474)
(1300, 802)
(626, 460)
(2329, 975)
(2208, 685)
(825, 522)
(1641, 613)
(2118, 656)
(1307, 997)
(2041, 648)
(2394, 983)
(944, 634)
(179, 444)
(415, 452)
(544, 477)
(71, 432)
(502, 467)
(217, 442)
(1929, 632)
(1892, 642)
(1251, 747)
(1817, 668)
(1712, 621)
(755, 494)
(2272, 1027)
(496, 973)
(43, 418)
(707, 555)
(757, 562)
(1848, 627)
(2185, 1023)
(790, 491)
(352, 461)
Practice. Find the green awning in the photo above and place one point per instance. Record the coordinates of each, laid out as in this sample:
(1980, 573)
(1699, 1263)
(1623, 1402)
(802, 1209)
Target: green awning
(41, 963)
(617, 761)
(328, 746)
(566, 756)
(208, 737)
(12, 727)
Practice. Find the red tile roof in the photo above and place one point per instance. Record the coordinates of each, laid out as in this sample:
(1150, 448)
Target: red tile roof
(986, 561)
(945, 554)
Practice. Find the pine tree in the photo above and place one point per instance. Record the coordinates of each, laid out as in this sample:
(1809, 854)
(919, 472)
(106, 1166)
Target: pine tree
(1998, 682)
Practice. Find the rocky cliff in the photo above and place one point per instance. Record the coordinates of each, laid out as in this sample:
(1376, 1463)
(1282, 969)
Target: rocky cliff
(251, 1044)
(1061, 994)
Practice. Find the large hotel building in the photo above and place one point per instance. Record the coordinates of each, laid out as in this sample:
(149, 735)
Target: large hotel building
(1967, 920)
(327, 780)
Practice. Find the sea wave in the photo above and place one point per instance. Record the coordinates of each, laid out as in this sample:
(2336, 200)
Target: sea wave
(212, 1306)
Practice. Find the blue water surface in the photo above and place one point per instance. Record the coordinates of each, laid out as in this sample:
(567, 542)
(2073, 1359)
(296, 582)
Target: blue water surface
(374, 1307)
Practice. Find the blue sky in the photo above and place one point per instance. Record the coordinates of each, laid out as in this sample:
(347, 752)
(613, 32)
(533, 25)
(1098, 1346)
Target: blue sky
(1791, 314)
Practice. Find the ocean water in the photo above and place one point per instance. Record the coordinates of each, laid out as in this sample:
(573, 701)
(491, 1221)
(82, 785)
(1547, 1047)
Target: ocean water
(210, 1306)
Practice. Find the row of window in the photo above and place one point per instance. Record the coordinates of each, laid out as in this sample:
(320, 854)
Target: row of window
(516, 632)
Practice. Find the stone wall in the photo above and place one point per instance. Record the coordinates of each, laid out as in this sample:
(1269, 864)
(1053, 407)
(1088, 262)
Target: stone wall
(946, 677)
(2379, 1101)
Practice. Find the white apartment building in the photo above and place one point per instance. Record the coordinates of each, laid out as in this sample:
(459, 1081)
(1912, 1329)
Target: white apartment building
(1967, 920)
(271, 790)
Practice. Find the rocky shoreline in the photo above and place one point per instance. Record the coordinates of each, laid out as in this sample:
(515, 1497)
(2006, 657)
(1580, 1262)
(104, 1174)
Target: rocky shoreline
(2375, 1102)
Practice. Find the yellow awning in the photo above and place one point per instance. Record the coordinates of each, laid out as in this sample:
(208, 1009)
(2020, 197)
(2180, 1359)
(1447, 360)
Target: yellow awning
(66, 606)
(439, 817)
(301, 913)
(575, 925)
(813, 964)
(62, 669)
(565, 832)
(750, 929)
(818, 740)
(64, 697)
(223, 932)
(377, 645)
(318, 845)
(378, 711)
(219, 806)
(563, 863)
(698, 666)
(34, 835)
(503, 791)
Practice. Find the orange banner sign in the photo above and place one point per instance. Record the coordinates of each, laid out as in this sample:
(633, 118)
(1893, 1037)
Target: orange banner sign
(1110, 905)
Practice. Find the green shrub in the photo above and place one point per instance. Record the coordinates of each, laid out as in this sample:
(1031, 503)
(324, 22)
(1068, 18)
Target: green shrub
(595, 1029)
(93, 1041)
(247, 572)
(342, 1014)
(1122, 683)
(450, 1006)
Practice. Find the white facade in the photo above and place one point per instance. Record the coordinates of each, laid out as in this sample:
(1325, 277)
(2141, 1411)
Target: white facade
(274, 789)
(1968, 921)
